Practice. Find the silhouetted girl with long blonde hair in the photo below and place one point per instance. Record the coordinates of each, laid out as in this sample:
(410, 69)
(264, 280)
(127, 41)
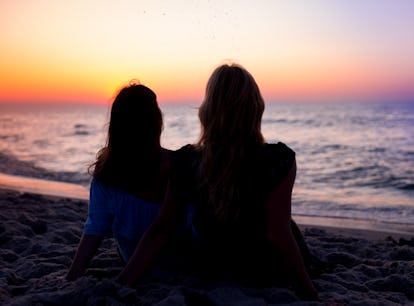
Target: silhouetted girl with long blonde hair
(240, 188)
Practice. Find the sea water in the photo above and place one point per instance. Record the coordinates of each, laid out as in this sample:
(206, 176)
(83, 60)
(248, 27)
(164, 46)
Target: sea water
(355, 161)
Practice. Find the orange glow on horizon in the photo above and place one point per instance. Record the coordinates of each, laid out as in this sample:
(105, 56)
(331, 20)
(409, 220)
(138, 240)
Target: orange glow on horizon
(61, 82)
(82, 51)
(274, 88)
(58, 91)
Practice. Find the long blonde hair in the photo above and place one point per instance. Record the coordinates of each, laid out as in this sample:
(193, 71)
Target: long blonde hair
(230, 118)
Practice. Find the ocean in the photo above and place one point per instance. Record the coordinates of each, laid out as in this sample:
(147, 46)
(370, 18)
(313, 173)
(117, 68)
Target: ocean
(355, 161)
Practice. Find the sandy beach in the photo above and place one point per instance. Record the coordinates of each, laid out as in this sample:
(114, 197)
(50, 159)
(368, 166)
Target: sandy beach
(39, 235)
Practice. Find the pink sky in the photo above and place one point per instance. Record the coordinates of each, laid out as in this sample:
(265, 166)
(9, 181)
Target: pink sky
(83, 51)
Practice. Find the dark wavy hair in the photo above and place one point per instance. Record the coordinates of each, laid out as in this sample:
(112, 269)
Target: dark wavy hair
(230, 117)
(131, 157)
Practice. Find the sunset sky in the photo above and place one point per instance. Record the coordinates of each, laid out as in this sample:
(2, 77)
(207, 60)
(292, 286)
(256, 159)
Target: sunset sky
(309, 50)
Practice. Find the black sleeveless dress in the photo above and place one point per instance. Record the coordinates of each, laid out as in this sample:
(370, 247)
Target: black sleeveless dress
(239, 249)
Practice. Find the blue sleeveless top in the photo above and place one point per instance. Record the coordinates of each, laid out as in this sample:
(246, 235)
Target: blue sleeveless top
(117, 213)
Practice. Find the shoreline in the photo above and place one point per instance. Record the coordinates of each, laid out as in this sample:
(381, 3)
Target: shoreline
(79, 192)
(357, 228)
(43, 187)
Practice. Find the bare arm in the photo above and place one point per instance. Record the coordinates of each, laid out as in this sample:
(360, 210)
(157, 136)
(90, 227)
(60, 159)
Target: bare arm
(154, 240)
(87, 248)
(281, 238)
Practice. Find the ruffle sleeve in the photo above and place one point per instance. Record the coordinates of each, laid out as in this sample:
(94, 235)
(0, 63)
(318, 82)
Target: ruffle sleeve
(279, 159)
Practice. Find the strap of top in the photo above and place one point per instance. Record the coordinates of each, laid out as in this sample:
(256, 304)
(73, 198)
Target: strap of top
(279, 159)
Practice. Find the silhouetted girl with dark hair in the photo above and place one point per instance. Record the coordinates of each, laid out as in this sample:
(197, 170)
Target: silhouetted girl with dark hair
(241, 189)
(129, 177)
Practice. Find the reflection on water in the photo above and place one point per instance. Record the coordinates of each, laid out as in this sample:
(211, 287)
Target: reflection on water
(54, 137)
(353, 160)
